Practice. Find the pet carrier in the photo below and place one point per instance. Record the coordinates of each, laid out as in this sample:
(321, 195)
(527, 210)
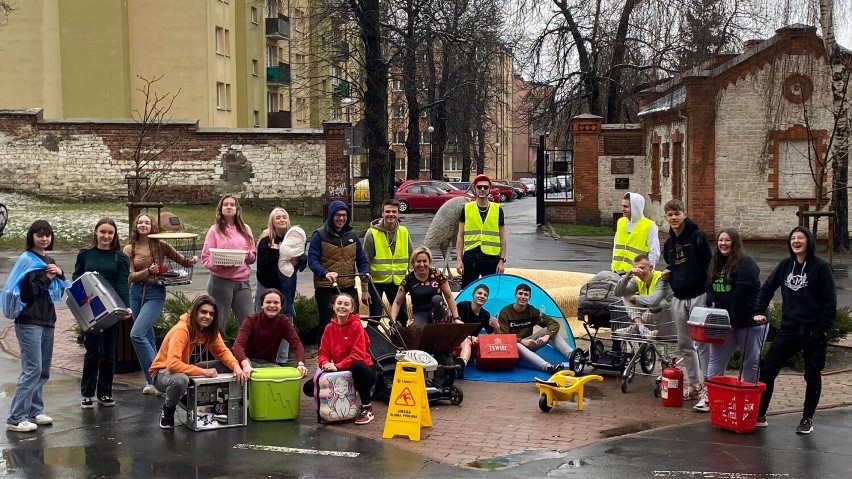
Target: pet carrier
(709, 325)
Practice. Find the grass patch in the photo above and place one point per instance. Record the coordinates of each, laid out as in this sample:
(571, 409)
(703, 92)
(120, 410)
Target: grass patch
(582, 230)
(73, 222)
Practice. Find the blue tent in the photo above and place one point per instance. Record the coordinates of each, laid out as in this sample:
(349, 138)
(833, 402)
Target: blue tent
(502, 293)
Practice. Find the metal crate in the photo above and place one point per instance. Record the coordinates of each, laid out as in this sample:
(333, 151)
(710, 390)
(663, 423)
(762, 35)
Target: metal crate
(173, 273)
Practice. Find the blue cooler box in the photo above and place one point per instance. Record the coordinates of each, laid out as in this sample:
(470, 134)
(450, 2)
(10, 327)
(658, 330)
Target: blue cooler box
(274, 394)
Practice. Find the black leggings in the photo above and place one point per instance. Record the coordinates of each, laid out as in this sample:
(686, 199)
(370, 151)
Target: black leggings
(477, 264)
(363, 376)
(783, 347)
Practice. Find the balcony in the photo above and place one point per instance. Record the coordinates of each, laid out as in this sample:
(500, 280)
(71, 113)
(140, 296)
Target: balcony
(279, 74)
(341, 90)
(278, 27)
(279, 119)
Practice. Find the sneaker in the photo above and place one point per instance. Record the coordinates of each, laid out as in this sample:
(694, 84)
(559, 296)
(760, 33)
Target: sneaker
(703, 404)
(41, 419)
(87, 403)
(805, 426)
(365, 416)
(692, 393)
(761, 422)
(23, 426)
(106, 401)
(460, 371)
(167, 418)
(554, 368)
(149, 389)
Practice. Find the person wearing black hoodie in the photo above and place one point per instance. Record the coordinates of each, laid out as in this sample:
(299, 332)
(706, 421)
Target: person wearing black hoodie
(808, 312)
(687, 255)
(334, 250)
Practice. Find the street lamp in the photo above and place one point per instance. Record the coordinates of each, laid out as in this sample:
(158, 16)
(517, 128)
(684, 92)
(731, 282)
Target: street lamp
(497, 158)
(430, 130)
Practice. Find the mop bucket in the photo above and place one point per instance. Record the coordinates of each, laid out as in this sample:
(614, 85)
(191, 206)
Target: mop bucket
(733, 403)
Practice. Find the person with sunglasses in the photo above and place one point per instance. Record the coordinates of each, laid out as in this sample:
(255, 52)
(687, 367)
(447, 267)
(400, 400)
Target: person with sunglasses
(481, 240)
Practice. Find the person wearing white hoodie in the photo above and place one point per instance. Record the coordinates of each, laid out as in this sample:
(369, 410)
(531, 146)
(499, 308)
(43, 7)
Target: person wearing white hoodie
(635, 234)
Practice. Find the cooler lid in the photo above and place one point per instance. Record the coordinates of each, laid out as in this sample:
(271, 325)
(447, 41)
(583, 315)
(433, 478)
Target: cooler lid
(271, 374)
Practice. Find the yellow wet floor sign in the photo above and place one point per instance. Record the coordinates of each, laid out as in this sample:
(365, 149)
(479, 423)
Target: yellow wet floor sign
(408, 407)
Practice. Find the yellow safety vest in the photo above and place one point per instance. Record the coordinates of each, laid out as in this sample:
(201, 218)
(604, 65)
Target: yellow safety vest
(646, 289)
(627, 246)
(485, 235)
(390, 267)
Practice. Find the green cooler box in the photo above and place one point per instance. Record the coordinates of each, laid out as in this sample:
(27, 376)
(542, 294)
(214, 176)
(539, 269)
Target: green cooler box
(274, 394)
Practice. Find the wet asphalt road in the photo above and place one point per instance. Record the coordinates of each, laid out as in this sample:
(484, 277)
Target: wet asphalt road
(125, 441)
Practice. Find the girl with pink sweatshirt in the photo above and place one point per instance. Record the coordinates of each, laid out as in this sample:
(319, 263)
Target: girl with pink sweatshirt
(229, 285)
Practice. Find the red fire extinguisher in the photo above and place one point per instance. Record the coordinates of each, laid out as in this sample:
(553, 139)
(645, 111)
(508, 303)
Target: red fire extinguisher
(671, 387)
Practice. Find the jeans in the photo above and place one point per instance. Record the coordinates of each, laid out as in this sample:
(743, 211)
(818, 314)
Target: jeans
(99, 362)
(230, 295)
(174, 385)
(146, 310)
(36, 343)
(693, 354)
(749, 340)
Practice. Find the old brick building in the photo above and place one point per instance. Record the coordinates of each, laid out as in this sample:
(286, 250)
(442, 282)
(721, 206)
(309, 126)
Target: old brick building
(740, 139)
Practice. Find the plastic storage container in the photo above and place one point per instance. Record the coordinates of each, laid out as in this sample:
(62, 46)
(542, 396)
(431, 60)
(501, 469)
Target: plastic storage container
(274, 394)
(733, 403)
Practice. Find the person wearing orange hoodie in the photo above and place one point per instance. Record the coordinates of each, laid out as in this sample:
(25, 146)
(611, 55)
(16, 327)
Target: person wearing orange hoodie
(345, 347)
(197, 332)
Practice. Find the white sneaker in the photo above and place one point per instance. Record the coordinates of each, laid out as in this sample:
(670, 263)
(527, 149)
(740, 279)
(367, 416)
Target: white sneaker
(23, 426)
(42, 419)
(703, 404)
(149, 389)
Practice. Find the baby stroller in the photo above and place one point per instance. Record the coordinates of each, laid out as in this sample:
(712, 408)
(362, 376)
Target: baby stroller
(436, 343)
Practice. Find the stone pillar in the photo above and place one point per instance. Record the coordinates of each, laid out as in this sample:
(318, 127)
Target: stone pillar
(587, 135)
(337, 167)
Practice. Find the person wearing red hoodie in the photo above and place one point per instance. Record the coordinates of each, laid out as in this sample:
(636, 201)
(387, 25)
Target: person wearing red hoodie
(345, 347)
(200, 335)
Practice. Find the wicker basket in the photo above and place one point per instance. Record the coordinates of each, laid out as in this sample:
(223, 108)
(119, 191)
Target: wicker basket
(228, 257)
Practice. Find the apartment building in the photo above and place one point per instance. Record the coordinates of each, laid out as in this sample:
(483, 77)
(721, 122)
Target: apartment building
(84, 58)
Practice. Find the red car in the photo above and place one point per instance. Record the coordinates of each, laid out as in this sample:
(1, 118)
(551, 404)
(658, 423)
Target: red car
(422, 195)
(506, 192)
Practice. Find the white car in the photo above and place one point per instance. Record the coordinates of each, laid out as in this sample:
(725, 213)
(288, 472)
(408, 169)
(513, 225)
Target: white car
(530, 182)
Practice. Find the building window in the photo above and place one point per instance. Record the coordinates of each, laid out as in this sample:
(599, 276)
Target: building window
(399, 137)
(254, 67)
(256, 119)
(795, 179)
(272, 102)
(398, 111)
(400, 163)
(253, 11)
(452, 163)
(223, 96)
(425, 163)
(223, 40)
(271, 56)
(397, 85)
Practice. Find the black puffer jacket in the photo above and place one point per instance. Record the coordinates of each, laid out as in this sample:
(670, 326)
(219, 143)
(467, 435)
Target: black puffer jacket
(39, 309)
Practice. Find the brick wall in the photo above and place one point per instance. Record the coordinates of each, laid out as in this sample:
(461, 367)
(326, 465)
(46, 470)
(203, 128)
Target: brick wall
(89, 159)
(587, 133)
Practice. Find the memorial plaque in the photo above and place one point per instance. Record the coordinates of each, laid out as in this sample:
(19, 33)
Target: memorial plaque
(621, 166)
(622, 183)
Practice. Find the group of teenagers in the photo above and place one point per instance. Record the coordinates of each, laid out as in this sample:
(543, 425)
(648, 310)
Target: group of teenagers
(695, 276)
(729, 279)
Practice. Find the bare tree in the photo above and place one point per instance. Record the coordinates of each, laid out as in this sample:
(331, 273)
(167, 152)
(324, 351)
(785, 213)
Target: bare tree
(6, 9)
(840, 65)
(152, 140)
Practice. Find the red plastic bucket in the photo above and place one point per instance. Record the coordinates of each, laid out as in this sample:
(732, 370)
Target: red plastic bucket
(733, 403)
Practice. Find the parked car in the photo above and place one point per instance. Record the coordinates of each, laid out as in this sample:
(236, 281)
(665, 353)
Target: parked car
(417, 195)
(506, 192)
(551, 184)
(530, 182)
(519, 190)
(521, 186)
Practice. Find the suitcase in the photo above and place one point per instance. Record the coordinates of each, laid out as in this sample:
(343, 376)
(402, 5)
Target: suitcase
(215, 403)
(497, 352)
(274, 394)
(334, 395)
(94, 303)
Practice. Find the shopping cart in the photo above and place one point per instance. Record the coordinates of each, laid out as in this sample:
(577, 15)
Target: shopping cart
(646, 335)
